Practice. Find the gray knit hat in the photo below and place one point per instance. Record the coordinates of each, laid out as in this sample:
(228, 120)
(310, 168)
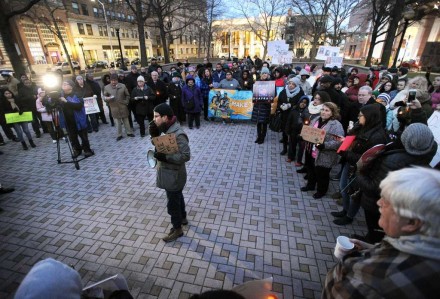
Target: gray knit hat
(164, 109)
(295, 81)
(417, 139)
(265, 70)
(70, 82)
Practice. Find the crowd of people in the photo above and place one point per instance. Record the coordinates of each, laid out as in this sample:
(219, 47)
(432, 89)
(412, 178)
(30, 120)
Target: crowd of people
(382, 109)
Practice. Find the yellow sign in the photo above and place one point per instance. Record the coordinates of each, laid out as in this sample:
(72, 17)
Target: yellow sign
(166, 144)
(12, 118)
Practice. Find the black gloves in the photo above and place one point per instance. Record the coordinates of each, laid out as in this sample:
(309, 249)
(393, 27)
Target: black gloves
(153, 129)
(160, 156)
(343, 154)
(320, 146)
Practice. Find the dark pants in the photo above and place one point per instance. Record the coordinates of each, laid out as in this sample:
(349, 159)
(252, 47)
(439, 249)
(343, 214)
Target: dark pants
(261, 130)
(192, 117)
(140, 119)
(293, 142)
(73, 136)
(301, 151)
(176, 207)
(101, 113)
(92, 122)
(36, 119)
(372, 220)
(205, 107)
(49, 127)
(317, 175)
(8, 131)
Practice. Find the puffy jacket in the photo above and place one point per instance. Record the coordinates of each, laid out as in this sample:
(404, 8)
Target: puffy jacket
(192, 94)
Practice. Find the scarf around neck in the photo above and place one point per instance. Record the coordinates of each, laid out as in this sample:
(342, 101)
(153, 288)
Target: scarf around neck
(294, 92)
(419, 245)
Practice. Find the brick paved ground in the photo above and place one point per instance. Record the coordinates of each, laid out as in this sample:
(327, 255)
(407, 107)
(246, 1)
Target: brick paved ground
(248, 219)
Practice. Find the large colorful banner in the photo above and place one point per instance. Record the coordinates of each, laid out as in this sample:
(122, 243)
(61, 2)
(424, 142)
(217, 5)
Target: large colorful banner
(230, 104)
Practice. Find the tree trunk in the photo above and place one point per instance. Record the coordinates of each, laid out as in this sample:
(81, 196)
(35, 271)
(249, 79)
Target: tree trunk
(396, 16)
(141, 30)
(163, 38)
(8, 41)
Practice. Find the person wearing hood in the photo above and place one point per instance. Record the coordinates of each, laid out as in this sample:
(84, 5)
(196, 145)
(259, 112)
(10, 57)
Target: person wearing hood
(280, 79)
(352, 91)
(385, 100)
(406, 263)
(192, 102)
(416, 146)
(171, 170)
(304, 84)
(298, 115)
(288, 98)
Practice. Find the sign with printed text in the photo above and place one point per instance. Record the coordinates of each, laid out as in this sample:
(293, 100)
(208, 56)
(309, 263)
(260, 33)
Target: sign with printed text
(230, 104)
(313, 135)
(327, 51)
(91, 105)
(334, 61)
(166, 144)
(12, 118)
(264, 91)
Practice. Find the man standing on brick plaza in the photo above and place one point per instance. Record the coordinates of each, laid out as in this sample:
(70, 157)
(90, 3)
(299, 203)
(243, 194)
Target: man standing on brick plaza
(171, 170)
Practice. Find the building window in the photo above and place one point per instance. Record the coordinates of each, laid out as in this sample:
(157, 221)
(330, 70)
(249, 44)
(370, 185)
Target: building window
(81, 28)
(84, 9)
(89, 29)
(75, 7)
(95, 12)
(112, 30)
(104, 30)
(100, 31)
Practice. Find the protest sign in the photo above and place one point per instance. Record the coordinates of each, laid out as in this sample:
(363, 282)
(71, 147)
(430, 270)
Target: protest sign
(327, 51)
(91, 105)
(12, 118)
(166, 144)
(313, 135)
(230, 104)
(263, 91)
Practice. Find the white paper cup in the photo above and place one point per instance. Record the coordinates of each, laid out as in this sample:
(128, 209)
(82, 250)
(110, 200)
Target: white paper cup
(343, 246)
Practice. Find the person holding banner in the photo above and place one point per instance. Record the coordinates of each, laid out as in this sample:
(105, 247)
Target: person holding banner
(10, 105)
(321, 157)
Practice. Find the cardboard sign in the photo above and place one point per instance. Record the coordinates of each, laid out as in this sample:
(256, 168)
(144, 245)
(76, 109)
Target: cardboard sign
(166, 144)
(91, 105)
(313, 135)
(12, 118)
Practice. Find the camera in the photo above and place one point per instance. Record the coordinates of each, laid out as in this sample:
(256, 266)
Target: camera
(412, 95)
(52, 101)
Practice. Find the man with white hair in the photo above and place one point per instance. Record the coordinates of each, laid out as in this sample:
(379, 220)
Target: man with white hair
(406, 264)
(159, 88)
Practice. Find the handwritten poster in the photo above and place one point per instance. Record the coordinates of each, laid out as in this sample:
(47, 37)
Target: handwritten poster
(91, 105)
(166, 144)
(313, 135)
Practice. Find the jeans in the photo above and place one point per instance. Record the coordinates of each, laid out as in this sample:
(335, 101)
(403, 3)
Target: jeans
(20, 128)
(350, 206)
(176, 207)
(192, 117)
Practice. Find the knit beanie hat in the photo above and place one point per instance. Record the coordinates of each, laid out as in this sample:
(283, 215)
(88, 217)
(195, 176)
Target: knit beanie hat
(70, 82)
(265, 70)
(392, 70)
(385, 97)
(164, 109)
(417, 139)
(403, 70)
(389, 77)
(176, 74)
(326, 79)
(140, 78)
(295, 81)
(298, 68)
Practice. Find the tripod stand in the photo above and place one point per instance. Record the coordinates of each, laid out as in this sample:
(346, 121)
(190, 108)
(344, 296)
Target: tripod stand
(63, 133)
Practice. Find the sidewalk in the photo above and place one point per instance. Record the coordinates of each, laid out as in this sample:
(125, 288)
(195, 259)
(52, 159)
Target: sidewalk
(247, 217)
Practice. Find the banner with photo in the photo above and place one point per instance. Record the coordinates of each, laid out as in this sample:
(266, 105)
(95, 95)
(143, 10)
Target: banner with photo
(327, 51)
(230, 104)
(264, 91)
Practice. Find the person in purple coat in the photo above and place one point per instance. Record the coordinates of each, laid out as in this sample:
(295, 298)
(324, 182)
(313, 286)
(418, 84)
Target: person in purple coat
(192, 102)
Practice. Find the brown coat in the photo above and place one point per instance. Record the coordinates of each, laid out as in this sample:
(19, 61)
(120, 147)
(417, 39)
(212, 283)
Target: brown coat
(118, 104)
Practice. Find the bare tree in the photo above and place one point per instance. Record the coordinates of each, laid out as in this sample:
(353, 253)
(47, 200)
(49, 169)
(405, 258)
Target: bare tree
(339, 12)
(317, 13)
(214, 11)
(8, 10)
(267, 22)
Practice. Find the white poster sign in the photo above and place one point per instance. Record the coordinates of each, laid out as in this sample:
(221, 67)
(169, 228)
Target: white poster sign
(327, 51)
(91, 105)
(334, 61)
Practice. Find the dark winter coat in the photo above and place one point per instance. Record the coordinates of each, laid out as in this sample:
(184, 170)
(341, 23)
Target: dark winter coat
(261, 111)
(394, 158)
(160, 89)
(296, 119)
(293, 101)
(131, 81)
(192, 94)
(26, 98)
(175, 94)
(74, 113)
(143, 106)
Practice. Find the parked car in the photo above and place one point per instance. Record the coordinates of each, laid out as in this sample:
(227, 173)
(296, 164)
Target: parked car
(64, 67)
(99, 64)
(411, 64)
(119, 60)
(226, 55)
(136, 61)
(2, 79)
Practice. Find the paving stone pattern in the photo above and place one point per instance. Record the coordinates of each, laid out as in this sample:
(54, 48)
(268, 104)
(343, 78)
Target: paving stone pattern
(247, 217)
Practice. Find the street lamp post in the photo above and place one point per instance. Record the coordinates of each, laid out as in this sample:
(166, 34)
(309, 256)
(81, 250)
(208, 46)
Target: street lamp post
(120, 50)
(229, 45)
(108, 29)
(81, 44)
